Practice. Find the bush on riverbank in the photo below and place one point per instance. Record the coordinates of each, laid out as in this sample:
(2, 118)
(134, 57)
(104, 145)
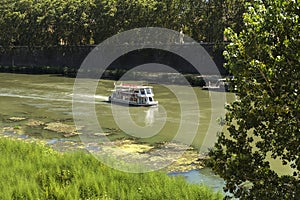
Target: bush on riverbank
(33, 171)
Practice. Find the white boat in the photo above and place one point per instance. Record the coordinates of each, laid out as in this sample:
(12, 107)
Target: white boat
(133, 95)
(222, 84)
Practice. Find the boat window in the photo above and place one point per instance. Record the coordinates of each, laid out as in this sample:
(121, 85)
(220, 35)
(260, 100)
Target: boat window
(148, 90)
(142, 91)
(150, 98)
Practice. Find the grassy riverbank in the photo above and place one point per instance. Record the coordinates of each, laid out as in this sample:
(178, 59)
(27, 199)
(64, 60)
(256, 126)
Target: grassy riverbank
(34, 171)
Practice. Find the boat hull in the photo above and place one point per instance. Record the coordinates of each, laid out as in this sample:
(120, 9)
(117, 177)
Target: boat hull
(132, 103)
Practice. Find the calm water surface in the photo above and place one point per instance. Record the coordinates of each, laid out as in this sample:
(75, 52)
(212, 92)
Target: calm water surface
(48, 98)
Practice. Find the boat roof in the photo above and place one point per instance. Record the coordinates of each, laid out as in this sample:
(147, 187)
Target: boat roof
(133, 86)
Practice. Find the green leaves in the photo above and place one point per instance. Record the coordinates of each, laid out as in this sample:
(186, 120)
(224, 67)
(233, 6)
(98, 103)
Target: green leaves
(265, 60)
(81, 22)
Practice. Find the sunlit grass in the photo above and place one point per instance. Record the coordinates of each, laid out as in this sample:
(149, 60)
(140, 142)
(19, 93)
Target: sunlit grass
(34, 171)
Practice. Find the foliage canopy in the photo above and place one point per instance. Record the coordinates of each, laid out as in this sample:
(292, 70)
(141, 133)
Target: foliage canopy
(81, 22)
(264, 123)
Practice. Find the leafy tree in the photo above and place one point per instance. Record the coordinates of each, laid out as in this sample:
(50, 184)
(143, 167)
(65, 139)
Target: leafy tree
(265, 120)
(29, 30)
(74, 21)
(193, 17)
(233, 14)
(81, 22)
(214, 20)
(10, 20)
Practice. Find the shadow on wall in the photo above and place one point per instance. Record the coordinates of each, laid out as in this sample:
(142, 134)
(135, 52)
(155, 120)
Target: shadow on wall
(62, 59)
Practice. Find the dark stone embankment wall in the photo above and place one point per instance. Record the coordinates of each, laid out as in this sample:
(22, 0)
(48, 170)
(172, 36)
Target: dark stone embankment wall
(61, 56)
(71, 57)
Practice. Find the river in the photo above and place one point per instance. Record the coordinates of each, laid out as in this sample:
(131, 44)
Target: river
(48, 98)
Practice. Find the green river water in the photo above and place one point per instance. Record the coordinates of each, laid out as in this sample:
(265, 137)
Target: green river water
(48, 98)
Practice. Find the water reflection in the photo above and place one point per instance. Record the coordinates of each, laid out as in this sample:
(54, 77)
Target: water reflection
(150, 116)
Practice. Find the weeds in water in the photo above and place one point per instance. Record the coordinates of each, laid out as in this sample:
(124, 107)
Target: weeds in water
(35, 171)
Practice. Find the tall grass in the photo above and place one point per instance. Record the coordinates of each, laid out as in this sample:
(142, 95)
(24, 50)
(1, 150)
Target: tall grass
(34, 171)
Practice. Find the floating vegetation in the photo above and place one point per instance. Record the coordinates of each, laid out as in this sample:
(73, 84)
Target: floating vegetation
(132, 147)
(113, 130)
(178, 157)
(61, 128)
(67, 135)
(190, 160)
(126, 149)
(13, 130)
(17, 119)
(35, 123)
(102, 134)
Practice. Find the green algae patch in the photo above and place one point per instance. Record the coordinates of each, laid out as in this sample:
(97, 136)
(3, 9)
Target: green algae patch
(132, 147)
(159, 155)
(17, 119)
(66, 129)
(60, 127)
(35, 123)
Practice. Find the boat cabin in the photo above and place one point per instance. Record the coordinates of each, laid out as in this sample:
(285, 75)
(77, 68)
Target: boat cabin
(133, 95)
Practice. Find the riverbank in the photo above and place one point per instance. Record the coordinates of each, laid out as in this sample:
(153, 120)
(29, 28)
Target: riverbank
(32, 170)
